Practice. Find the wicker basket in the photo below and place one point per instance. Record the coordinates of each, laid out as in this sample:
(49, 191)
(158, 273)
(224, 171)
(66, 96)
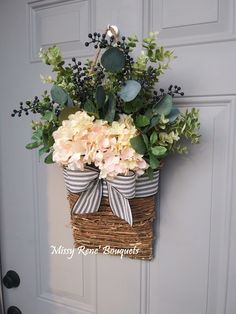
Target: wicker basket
(104, 232)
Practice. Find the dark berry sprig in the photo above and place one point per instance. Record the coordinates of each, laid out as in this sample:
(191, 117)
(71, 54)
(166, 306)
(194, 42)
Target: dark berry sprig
(172, 91)
(84, 82)
(148, 78)
(175, 90)
(35, 106)
(97, 40)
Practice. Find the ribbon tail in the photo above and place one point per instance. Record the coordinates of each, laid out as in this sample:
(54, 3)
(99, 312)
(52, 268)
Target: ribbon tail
(89, 200)
(120, 205)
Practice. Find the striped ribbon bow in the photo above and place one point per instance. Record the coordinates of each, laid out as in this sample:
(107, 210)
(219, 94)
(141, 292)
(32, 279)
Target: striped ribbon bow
(91, 189)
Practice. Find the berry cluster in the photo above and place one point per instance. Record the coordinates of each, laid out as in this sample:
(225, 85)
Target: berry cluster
(97, 40)
(148, 78)
(32, 106)
(84, 82)
(172, 91)
(36, 106)
(175, 90)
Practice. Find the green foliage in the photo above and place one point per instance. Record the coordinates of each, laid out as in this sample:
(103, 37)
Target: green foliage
(138, 144)
(116, 83)
(110, 108)
(155, 53)
(91, 108)
(141, 121)
(153, 161)
(173, 115)
(48, 159)
(100, 96)
(132, 42)
(59, 95)
(52, 56)
(113, 59)
(158, 150)
(129, 90)
(164, 106)
(133, 106)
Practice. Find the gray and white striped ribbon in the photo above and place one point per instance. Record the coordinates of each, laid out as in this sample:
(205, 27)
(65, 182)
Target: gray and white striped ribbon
(91, 189)
(145, 187)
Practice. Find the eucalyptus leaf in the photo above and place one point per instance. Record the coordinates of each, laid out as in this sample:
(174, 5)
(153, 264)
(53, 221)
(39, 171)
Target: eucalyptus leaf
(59, 95)
(164, 106)
(141, 121)
(158, 150)
(130, 90)
(138, 144)
(111, 108)
(113, 60)
(154, 121)
(173, 115)
(100, 96)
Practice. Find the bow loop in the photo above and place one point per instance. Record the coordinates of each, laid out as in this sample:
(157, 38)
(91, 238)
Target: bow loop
(91, 189)
(89, 186)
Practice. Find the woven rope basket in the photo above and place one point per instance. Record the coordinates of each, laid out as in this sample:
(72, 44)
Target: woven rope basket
(103, 229)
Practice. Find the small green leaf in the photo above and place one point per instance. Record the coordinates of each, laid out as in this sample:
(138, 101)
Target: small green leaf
(48, 159)
(153, 161)
(154, 121)
(49, 116)
(158, 150)
(43, 150)
(33, 145)
(150, 173)
(145, 139)
(113, 60)
(64, 114)
(100, 96)
(38, 136)
(130, 90)
(59, 95)
(153, 137)
(90, 107)
(138, 144)
(163, 106)
(141, 121)
(133, 106)
(111, 108)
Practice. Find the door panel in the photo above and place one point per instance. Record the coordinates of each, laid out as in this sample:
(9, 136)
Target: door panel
(194, 268)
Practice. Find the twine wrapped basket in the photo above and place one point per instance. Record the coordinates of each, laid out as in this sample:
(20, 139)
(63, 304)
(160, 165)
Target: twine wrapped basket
(98, 225)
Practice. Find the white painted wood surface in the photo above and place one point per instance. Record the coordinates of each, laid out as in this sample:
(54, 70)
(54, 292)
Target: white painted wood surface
(194, 270)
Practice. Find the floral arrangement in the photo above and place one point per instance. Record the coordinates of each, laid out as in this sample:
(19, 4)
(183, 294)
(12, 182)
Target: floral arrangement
(108, 113)
(82, 140)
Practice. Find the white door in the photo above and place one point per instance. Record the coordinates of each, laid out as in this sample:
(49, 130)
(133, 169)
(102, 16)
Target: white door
(194, 271)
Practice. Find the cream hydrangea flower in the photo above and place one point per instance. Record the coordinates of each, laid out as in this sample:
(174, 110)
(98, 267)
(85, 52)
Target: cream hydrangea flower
(82, 140)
